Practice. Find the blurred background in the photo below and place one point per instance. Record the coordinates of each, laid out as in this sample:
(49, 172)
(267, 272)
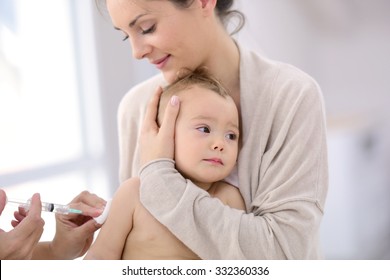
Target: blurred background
(64, 70)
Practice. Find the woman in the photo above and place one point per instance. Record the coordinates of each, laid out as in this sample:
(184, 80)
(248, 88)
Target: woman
(282, 166)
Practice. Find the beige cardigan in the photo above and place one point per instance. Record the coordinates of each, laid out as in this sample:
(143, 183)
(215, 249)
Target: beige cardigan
(282, 170)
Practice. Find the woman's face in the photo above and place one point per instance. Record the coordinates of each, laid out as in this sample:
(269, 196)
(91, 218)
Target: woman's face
(169, 37)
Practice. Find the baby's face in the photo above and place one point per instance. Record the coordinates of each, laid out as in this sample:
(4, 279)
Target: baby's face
(206, 136)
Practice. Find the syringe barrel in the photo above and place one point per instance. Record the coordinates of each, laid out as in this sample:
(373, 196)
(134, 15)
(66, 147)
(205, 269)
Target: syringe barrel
(49, 207)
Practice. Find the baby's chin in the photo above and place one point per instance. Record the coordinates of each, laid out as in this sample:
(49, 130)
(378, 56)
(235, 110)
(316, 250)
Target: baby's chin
(211, 178)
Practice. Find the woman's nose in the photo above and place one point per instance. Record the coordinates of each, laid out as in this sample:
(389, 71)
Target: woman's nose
(140, 49)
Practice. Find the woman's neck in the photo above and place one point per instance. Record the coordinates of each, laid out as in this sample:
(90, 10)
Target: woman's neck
(224, 64)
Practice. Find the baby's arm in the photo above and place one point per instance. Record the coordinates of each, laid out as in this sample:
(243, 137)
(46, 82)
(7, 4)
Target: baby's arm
(228, 194)
(112, 237)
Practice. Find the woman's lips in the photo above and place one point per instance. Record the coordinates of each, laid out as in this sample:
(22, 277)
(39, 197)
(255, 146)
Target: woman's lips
(160, 63)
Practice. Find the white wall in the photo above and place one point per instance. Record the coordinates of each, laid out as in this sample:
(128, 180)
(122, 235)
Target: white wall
(343, 44)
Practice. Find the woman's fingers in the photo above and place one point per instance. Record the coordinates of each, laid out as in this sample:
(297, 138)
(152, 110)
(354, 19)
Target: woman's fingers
(151, 111)
(158, 142)
(90, 204)
(31, 227)
(167, 129)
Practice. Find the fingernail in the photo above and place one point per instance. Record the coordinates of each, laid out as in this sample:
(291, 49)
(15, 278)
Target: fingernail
(174, 100)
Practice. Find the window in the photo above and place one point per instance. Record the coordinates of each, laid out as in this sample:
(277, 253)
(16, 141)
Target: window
(49, 111)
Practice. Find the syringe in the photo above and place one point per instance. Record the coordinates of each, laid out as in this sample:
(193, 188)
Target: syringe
(47, 206)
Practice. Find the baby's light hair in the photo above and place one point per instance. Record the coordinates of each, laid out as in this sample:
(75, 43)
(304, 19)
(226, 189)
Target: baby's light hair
(187, 79)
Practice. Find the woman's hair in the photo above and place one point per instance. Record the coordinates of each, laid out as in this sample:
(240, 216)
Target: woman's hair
(224, 12)
(187, 79)
(223, 7)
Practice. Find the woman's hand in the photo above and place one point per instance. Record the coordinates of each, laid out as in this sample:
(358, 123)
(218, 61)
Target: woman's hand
(74, 232)
(158, 142)
(20, 242)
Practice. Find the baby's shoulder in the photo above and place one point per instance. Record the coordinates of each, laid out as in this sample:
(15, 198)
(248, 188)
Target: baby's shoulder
(128, 190)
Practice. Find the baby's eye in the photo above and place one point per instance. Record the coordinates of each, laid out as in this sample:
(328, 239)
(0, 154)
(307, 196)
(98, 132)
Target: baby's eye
(231, 136)
(204, 129)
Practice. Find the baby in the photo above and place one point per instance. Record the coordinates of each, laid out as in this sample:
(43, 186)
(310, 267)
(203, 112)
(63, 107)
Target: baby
(206, 148)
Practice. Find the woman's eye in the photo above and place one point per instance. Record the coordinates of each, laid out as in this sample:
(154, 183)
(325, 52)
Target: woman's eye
(204, 129)
(149, 30)
(231, 136)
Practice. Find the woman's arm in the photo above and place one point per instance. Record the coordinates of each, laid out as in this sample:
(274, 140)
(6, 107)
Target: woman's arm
(284, 213)
(167, 195)
(283, 231)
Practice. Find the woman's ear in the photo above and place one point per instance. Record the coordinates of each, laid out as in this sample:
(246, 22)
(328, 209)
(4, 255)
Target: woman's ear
(208, 5)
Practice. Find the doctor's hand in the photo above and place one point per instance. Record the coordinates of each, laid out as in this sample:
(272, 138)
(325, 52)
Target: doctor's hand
(158, 142)
(20, 242)
(74, 232)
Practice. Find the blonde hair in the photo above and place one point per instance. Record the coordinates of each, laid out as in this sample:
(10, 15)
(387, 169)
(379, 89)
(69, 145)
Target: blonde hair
(186, 79)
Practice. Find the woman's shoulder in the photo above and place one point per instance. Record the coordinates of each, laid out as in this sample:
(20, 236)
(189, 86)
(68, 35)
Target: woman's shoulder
(255, 62)
(258, 69)
(142, 91)
(139, 95)
(274, 83)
